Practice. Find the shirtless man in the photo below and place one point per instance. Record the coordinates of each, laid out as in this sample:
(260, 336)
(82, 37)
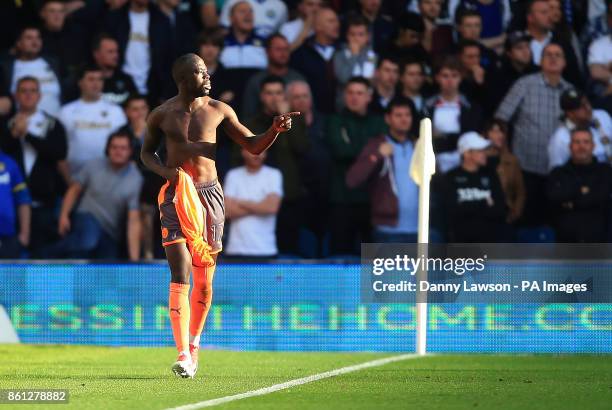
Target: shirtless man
(188, 122)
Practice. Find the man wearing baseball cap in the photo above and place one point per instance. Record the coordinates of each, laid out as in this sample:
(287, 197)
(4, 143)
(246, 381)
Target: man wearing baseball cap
(474, 200)
(515, 63)
(577, 112)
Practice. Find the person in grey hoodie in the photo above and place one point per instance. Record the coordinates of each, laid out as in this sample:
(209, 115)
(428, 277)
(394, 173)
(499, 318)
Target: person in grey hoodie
(354, 58)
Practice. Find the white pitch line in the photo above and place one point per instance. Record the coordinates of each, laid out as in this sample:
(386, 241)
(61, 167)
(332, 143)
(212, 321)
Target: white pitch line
(296, 382)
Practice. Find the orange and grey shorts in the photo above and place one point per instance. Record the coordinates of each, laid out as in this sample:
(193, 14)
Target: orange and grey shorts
(211, 196)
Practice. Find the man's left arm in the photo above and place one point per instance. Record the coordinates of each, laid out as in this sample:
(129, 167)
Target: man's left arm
(134, 229)
(255, 144)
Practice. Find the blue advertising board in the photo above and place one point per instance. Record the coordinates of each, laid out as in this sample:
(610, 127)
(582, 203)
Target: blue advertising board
(300, 307)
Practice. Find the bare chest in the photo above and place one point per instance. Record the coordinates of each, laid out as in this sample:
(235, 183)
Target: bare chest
(199, 126)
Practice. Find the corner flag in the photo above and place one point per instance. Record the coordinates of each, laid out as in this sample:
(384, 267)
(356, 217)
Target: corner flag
(422, 167)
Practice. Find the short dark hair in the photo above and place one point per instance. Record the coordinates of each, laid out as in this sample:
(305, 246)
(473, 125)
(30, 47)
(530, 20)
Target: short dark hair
(99, 38)
(464, 12)
(529, 7)
(180, 65)
(409, 62)
(27, 78)
(134, 97)
(359, 80)
(495, 122)
(212, 36)
(268, 41)
(401, 101)
(271, 79)
(355, 19)
(87, 68)
(466, 43)
(581, 129)
(26, 28)
(449, 63)
(386, 57)
(115, 135)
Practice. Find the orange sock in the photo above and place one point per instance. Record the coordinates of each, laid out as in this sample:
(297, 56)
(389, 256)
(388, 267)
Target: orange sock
(201, 299)
(179, 314)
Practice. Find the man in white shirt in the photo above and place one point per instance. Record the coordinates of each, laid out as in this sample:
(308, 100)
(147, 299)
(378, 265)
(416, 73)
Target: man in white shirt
(242, 48)
(89, 120)
(300, 28)
(269, 15)
(28, 62)
(577, 112)
(599, 59)
(253, 195)
(137, 61)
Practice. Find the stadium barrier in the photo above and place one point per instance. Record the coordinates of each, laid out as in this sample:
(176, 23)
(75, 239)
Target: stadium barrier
(299, 306)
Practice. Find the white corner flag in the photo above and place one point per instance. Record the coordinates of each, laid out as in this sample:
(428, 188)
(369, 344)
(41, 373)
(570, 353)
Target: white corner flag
(422, 167)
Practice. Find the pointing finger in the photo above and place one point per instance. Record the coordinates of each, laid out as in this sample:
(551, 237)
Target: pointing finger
(293, 113)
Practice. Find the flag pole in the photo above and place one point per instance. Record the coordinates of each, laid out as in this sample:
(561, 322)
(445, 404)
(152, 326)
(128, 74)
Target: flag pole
(423, 168)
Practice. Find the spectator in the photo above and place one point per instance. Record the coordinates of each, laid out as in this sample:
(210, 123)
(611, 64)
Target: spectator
(242, 47)
(580, 192)
(15, 211)
(597, 27)
(277, 50)
(563, 31)
(286, 155)
(533, 103)
(314, 59)
(380, 25)
(348, 132)
(118, 86)
(136, 111)
(508, 170)
(183, 29)
(299, 29)
(447, 8)
(515, 63)
(356, 57)
(539, 27)
(94, 230)
(384, 163)
(37, 142)
(452, 114)
(408, 43)
(28, 61)
(412, 81)
(315, 164)
(269, 15)
(598, 60)
(145, 38)
(210, 44)
(577, 113)
(474, 75)
(60, 38)
(89, 120)
(385, 82)
(253, 195)
(473, 197)
(438, 35)
(469, 27)
(495, 17)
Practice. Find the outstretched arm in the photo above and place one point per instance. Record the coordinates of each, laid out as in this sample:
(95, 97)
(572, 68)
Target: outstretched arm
(255, 144)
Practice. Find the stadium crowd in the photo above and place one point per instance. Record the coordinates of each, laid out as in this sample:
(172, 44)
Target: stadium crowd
(519, 94)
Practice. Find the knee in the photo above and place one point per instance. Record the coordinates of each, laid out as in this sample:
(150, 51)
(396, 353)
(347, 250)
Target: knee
(179, 277)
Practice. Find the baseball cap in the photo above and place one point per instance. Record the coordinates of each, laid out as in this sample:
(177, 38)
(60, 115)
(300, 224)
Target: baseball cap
(472, 141)
(571, 100)
(515, 37)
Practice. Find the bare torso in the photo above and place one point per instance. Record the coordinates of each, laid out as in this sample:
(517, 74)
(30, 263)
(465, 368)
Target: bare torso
(180, 128)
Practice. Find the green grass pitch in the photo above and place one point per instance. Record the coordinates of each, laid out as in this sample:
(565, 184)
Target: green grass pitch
(140, 378)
